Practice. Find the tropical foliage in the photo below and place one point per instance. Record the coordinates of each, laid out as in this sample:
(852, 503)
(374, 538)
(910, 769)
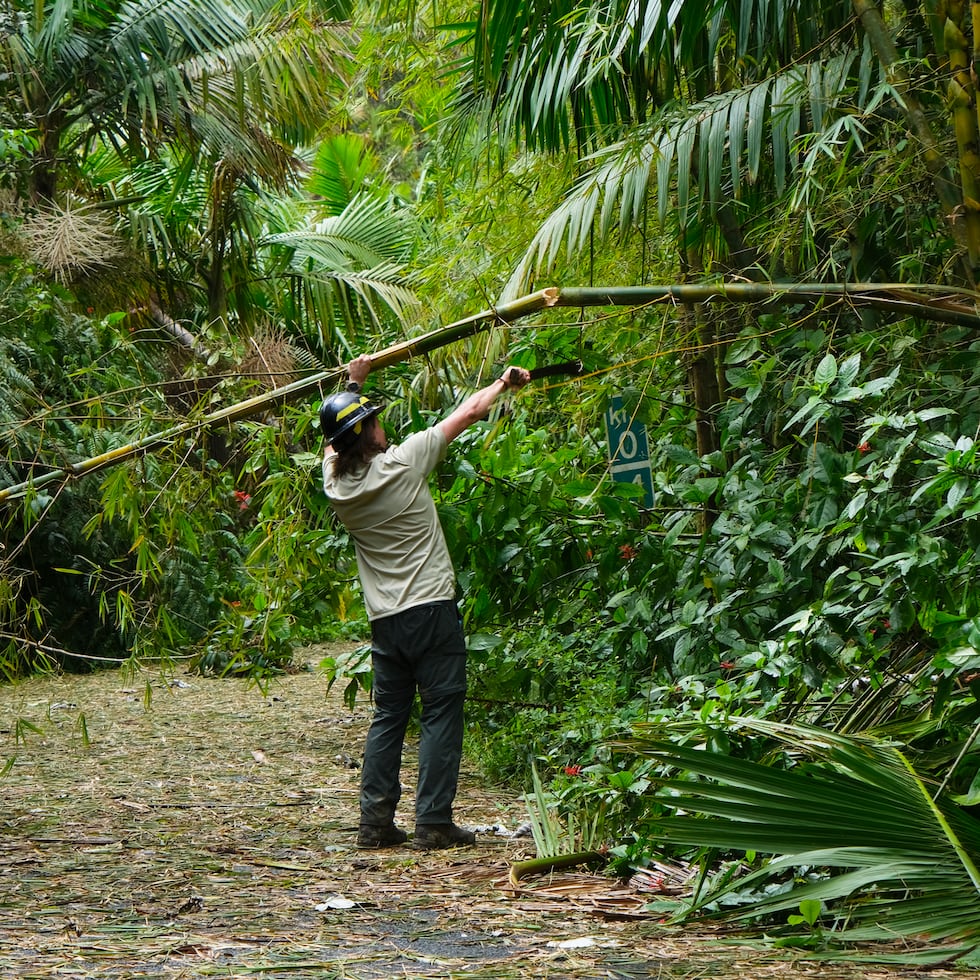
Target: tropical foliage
(202, 202)
(860, 838)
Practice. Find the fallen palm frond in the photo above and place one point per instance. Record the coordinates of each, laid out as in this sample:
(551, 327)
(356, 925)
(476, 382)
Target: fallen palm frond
(857, 831)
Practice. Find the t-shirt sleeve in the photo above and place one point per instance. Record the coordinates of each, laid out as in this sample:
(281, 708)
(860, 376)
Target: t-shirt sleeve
(422, 451)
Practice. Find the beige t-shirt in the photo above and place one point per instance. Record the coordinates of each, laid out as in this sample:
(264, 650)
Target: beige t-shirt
(387, 507)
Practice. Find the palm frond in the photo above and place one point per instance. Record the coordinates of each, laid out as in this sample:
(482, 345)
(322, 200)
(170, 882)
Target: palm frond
(893, 858)
(695, 157)
(367, 233)
(357, 298)
(349, 266)
(211, 72)
(553, 73)
(339, 170)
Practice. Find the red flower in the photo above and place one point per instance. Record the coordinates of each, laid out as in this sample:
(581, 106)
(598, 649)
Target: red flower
(727, 665)
(573, 770)
(864, 447)
(243, 499)
(627, 552)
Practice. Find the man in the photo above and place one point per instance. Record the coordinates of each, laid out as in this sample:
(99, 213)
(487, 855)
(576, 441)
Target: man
(381, 495)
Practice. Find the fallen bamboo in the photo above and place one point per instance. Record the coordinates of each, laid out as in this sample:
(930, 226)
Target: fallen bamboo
(519, 870)
(929, 302)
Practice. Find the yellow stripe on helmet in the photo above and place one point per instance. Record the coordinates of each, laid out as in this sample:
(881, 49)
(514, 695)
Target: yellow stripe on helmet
(352, 407)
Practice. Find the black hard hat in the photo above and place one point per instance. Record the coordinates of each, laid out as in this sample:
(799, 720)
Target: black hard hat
(342, 417)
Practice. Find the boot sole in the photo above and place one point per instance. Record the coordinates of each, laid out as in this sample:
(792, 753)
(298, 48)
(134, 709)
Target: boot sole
(422, 845)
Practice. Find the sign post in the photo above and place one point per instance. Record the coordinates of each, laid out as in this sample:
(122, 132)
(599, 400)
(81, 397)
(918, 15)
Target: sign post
(629, 451)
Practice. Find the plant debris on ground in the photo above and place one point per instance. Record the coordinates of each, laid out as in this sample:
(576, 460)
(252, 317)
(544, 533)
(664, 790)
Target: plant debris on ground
(165, 825)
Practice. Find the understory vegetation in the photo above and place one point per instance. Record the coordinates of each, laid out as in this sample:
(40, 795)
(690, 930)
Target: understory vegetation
(206, 210)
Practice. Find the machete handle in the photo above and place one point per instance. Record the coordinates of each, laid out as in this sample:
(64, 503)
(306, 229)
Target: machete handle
(549, 370)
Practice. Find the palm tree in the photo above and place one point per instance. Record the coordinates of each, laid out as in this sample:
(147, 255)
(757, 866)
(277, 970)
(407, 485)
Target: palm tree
(214, 94)
(739, 127)
(708, 108)
(210, 76)
(318, 262)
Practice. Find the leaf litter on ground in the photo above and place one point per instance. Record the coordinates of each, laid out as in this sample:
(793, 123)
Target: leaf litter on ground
(193, 827)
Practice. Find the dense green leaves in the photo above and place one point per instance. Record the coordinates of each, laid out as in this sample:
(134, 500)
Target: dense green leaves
(139, 74)
(256, 202)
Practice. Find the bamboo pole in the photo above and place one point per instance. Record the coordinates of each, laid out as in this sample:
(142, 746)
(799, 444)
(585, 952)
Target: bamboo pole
(948, 193)
(937, 303)
(440, 337)
(941, 304)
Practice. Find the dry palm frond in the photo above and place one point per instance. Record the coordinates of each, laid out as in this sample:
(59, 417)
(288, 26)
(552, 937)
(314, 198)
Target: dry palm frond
(71, 239)
(271, 358)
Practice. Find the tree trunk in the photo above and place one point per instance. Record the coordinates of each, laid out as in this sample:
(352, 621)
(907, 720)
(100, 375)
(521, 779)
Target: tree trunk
(962, 99)
(44, 162)
(702, 374)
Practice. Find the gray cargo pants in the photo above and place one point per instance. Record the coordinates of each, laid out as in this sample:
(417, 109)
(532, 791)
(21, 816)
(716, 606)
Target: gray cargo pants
(421, 649)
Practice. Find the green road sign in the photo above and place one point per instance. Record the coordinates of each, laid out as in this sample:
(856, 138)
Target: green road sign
(629, 451)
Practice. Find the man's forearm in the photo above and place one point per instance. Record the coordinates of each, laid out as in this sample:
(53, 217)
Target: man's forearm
(479, 403)
(473, 408)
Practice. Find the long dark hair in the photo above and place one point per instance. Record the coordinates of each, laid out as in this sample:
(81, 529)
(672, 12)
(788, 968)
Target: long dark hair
(355, 456)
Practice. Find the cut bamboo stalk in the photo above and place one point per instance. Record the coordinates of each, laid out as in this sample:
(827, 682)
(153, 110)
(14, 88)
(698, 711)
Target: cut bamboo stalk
(403, 351)
(520, 870)
(928, 302)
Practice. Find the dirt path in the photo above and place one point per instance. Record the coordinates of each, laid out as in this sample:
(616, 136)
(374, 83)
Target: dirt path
(176, 826)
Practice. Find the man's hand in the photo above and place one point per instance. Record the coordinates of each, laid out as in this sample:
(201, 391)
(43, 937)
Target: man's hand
(359, 368)
(516, 377)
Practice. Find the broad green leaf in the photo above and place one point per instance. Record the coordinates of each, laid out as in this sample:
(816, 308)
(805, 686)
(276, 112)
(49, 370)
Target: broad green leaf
(956, 493)
(826, 372)
(848, 371)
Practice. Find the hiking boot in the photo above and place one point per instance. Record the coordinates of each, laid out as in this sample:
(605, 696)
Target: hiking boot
(436, 836)
(371, 835)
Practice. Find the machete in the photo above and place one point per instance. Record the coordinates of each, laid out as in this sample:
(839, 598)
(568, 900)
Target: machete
(551, 370)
